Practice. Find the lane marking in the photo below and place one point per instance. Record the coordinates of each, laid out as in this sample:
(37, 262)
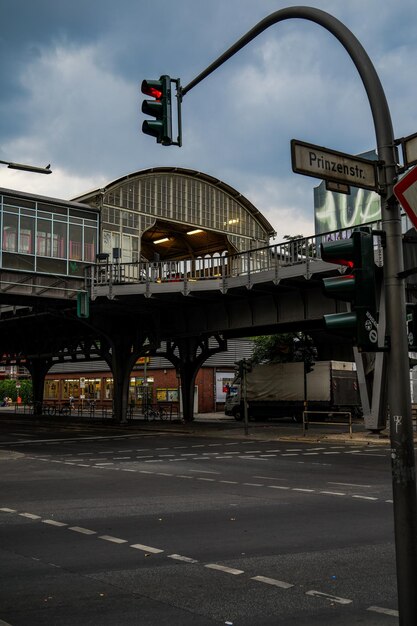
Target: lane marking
(380, 609)
(53, 522)
(364, 497)
(30, 515)
(306, 490)
(270, 478)
(229, 482)
(6, 510)
(333, 493)
(327, 596)
(277, 487)
(112, 539)
(348, 484)
(223, 568)
(180, 557)
(253, 484)
(83, 531)
(273, 581)
(140, 546)
(203, 471)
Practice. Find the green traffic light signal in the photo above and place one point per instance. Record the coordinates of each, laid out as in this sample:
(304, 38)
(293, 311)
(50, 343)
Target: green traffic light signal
(357, 287)
(159, 108)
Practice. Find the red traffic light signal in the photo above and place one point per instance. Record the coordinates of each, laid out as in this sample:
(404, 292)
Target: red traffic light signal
(159, 108)
(358, 288)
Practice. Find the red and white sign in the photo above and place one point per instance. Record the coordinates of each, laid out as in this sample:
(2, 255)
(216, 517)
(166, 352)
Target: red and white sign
(406, 193)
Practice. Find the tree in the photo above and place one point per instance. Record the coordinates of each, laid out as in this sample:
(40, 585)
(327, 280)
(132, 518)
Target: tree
(284, 348)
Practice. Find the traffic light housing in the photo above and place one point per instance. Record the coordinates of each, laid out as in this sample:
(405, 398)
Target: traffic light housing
(83, 304)
(243, 365)
(357, 287)
(159, 108)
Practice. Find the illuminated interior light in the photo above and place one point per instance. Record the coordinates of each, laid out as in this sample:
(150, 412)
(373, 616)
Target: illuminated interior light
(163, 240)
(195, 231)
(235, 220)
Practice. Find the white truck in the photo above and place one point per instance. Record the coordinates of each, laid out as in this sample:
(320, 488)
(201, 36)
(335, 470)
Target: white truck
(284, 390)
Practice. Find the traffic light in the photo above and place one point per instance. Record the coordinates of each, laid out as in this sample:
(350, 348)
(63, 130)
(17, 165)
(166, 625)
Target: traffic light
(83, 304)
(159, 108)
(243, 366)
(357, 287)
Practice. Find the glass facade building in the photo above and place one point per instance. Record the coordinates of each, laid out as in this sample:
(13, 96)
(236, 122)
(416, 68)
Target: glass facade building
(45, 235)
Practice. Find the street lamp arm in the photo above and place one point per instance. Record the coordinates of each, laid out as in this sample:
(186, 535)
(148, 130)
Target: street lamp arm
(379, 106)
(27, 168)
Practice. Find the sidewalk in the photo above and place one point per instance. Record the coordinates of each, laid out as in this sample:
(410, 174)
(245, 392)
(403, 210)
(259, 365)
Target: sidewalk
(216, 425)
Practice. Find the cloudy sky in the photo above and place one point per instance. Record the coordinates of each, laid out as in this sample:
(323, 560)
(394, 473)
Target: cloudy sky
(71, 73)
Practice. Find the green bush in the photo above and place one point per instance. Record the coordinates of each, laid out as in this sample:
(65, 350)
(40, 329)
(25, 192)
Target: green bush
(8, 388)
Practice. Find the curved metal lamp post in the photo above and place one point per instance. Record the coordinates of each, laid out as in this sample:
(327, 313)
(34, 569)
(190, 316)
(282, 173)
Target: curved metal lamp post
(401, 431)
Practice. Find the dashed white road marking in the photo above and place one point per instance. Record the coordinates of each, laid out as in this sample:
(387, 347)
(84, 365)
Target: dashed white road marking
(112, 539)
(305, 490)
(53, 522)
(6, 510)
(180, 557)
(30, 515)
(364, 497)
(277, 487)
(380, 609)
(320, 594)
(333, 493)
(273, 581)
(223, 568)
(348, 484)
(83, 531)
(140, 546)
(253, 484)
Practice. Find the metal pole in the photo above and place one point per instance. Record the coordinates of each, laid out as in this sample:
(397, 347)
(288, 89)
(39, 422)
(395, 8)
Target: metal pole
(401, 431)
(244, 396)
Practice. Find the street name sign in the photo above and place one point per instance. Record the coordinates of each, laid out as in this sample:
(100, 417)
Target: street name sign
(333, 166)
(406, 193)
(409, 147)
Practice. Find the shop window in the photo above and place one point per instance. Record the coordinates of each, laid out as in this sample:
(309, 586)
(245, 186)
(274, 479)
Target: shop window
(167, 394)
(51, 389)
(70, 387)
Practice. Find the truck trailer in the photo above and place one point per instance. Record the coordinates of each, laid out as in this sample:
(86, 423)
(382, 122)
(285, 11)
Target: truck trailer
(277, 390)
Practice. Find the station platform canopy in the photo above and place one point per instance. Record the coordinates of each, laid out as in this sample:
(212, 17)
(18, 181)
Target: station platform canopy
(172, 213)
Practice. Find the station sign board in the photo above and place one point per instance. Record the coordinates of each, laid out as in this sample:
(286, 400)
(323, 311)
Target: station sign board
(334, 166)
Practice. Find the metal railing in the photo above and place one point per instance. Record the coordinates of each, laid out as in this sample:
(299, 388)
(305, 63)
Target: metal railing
(303, 252)
(307, 422)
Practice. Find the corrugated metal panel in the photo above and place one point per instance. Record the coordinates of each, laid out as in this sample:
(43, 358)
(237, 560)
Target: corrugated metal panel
(237, 349)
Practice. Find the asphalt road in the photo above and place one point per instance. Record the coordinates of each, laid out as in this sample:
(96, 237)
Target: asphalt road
(152, 528)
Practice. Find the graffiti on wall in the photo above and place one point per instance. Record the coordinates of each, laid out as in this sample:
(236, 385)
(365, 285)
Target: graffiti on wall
(334, 211)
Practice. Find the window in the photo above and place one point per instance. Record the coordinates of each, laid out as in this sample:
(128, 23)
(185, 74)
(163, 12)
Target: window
(75, 242)
(10, 225)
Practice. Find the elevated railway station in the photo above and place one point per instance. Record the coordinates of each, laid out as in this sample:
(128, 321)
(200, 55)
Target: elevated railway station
(173, 262)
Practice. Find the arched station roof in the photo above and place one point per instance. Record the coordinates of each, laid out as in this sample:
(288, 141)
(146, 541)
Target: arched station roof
(165, 202)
